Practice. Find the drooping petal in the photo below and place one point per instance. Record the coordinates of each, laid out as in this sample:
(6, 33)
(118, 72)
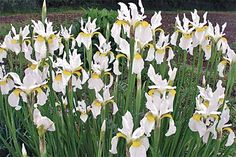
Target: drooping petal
(114, 143)
(13, 99)
(172, 128)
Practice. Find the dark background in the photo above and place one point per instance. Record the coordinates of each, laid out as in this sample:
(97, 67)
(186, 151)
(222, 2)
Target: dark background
(171, 5)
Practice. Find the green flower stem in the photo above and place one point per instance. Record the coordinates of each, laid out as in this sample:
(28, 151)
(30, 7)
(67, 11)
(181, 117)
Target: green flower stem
(89, 58)
(217, 148)
(131, 77)
(138, 96)
(156, 139)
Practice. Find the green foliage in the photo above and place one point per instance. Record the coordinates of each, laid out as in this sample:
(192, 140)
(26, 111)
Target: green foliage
(104, 18)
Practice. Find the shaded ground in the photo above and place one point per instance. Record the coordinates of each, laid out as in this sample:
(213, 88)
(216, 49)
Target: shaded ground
(168, 20)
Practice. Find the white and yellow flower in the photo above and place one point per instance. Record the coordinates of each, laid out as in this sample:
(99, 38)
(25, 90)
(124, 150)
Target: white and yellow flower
(88, 31)
(42, 123)
(71, 69)
(82, 108)
(28, 87)
(229, 59)
(223, 126)
(137, 142)
(102, 101)
(46, 41)
(18, 42)
(6, 82)
(158, 51)
(187, 33)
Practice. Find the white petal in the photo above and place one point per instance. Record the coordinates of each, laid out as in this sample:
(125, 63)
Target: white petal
(150, 55)
(116, 67)
(83, 117)
(230, 139)
(13, 99)
(172, 128)
(137, 151)
(114, 143)
(138, 65)
(41, 98)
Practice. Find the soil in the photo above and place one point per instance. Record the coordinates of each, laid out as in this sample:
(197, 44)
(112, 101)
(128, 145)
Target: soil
(168, 20)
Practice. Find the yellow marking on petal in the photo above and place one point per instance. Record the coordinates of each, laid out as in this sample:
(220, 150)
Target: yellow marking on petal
(58, 77)
(223, 39)
(160, 51)
(2, 50)
(224, 62)
(67, 73)
(79, 68)
(14, 41)
(121, 56)
(227, 129)
(86, 35)
(214, 116)
(119, 134)
(144, 24)
(2, 83)
(33, 66)
(151, 92)
(95, 76)
(150, 45)
(137, 56)
(78, 73)
(159, 30)
(197, 117)
(39, 90)
(187, 36)
(167, 116)
(201, 29)
(40, 38)
(97, 103)
(206, 103)
(150, 117)
(51, 38)
(172, 92)
(17, 92)
(221, 101)
(208, 47)
(136, 143)
(121, 22)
